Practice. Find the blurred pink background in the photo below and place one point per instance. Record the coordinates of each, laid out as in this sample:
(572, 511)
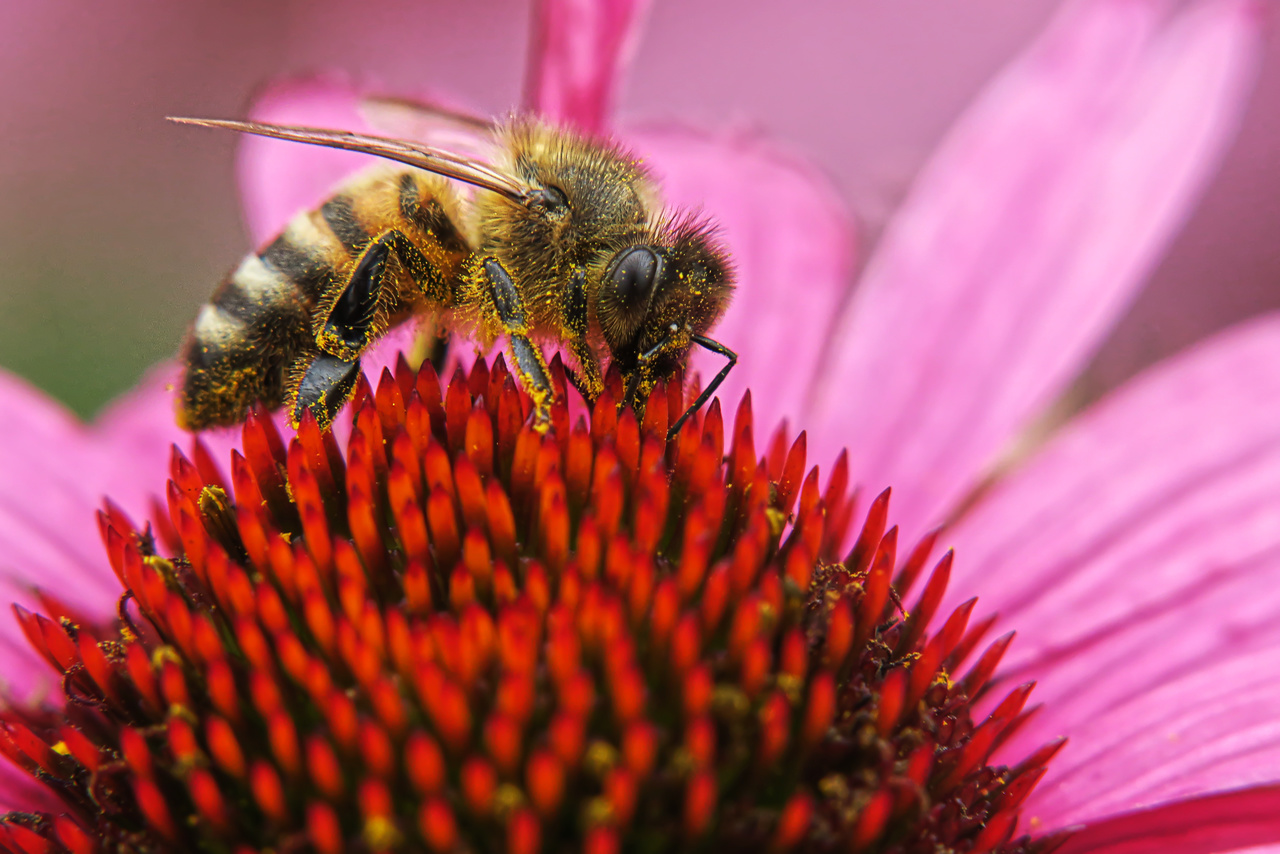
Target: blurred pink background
(114, 225)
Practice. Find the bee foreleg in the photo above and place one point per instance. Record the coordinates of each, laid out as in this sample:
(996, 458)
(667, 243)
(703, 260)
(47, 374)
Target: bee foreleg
(527, 357)
(324, 388)
(348, 327)
(587, 380)
(714, 347)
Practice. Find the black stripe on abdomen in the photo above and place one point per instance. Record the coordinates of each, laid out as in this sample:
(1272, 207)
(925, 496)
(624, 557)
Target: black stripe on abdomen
(428, 216)
(340, 216)
(240, 344)
(307, 269)
(264, 300)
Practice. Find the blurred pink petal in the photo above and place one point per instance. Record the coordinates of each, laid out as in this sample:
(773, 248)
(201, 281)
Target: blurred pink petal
(791, 242)
(1025, 239)
(139, 426)
(56, 473)
(1136, 555)
(140, 429)
(580, 50)
(21, 792)
(279, 179)
(53, 472)
(1229, 822)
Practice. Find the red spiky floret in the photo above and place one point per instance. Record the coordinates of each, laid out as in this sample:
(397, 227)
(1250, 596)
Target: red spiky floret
(463, 635)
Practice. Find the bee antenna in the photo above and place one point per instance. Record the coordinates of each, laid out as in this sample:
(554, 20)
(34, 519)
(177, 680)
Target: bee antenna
(413, 153)
(714, 347)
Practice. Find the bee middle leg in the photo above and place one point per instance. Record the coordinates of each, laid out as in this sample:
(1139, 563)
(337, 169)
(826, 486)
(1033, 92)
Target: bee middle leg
(587, 378)
(525, 354)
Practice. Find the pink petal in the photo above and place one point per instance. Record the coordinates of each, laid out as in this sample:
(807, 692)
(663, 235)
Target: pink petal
(1228, 822)
(580, 50)
(20, 792)
(57, 472)
(791, 242)
(1138, 556)
(1024, 240)
(140, 430)
(140, 426)
(54, 475)
(279, 179)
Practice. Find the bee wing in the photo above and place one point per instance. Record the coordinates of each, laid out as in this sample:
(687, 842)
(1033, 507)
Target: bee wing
(430, 158)
(452, 130)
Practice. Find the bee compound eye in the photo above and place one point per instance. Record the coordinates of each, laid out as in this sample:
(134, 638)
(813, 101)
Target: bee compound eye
(635, 271)
(549, 198)
(554, 197)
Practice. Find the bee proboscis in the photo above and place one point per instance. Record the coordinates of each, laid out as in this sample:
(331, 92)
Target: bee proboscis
(562, 240)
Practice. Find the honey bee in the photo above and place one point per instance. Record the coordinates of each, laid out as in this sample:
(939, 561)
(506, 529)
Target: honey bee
(562, 240)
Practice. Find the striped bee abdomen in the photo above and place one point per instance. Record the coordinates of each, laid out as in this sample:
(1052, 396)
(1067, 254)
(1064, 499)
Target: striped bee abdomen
(258, 332)
(240, 345)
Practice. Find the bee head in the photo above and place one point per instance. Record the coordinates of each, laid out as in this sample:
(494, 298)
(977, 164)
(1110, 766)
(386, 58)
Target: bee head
(657, 295)
(653, 282)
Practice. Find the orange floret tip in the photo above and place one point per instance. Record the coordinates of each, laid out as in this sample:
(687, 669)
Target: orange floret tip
(459, 633)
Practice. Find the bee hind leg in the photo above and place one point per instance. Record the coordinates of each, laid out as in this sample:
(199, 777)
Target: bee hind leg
(323, 388)
(527, 357)
(325, 384)
(322, 385)
(349, 326)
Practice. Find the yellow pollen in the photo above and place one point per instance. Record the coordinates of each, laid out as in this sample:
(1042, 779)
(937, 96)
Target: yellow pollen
(163, 654)
(600, 758)
(507, 799)
(380, 834)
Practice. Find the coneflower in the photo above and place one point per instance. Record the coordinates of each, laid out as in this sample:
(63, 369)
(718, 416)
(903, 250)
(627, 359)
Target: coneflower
(1135, 551)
